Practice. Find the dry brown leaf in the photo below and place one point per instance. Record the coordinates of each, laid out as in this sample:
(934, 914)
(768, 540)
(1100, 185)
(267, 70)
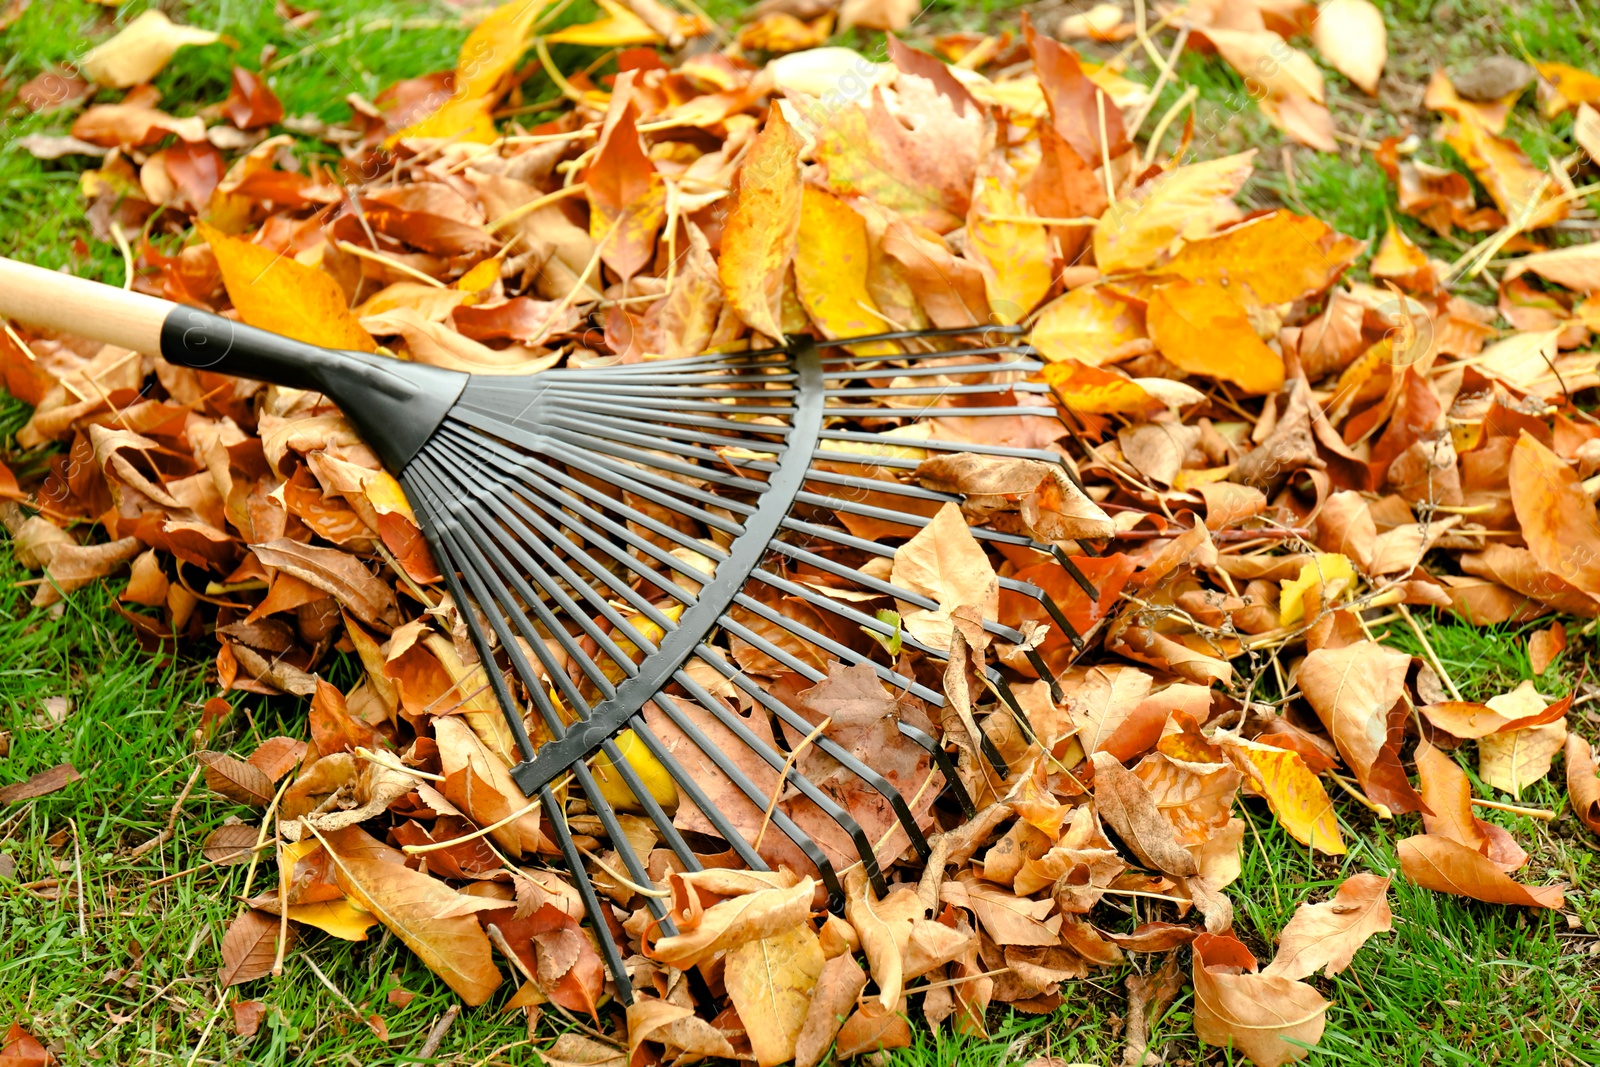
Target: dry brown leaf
(1127, 807)
(771, 982)
(1444, 866)
(230, 843)
(249, 946)
(423, 912)
(1326, 936)
(45, 782)
(945, 563)
(1254, 1013)
(1544, 646)
(838, 986)
(750, 916)
(1583, 782)
(1353, 690)
(240, 782)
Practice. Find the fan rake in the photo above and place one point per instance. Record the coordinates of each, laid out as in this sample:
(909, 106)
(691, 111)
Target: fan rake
(564, 511)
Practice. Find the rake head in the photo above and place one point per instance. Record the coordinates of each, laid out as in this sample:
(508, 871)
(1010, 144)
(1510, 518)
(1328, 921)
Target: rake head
(643, 544)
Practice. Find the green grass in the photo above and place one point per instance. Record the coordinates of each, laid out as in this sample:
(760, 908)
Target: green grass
(1455, 983)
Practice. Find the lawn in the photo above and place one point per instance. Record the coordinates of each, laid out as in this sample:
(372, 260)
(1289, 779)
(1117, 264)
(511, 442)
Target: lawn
(110, 948)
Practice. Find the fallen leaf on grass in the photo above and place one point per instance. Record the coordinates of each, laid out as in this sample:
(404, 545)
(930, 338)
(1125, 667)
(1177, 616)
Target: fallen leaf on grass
(1353, 690)
(1255, 1013)
(1520, 752)
(229, 844)
(45, 782)
(1545, 645)
(1557, 517)
(838, 986)
(247, 1017)
(1444, 866)
(1583, 782)
(423, 912)
(1185, 204)
(770, 982)
(249, 946)
(1292, 791)
(675, 1027)
(240, 782)
(140, 50)
(22, 1049)
(1351, 36)
(276, 292)
(1326, 936)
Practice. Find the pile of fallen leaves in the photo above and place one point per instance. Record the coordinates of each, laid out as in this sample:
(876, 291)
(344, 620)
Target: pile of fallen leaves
(1282, 461)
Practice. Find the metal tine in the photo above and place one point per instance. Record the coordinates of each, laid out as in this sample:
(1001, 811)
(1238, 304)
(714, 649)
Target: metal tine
(569, 851)
(679, 406)
(928, 372)
(734, 774)
(578, 429)
(938, 353)
(807, 788)
(788, 715)
(486, 408)
(736, 433)
(845, 654)
(867, 622)
(724, 388)
(713, 706)
(667, 759)
(975, 389)
(664, 491)
(633, 460)
(933, 411)
(479, 573)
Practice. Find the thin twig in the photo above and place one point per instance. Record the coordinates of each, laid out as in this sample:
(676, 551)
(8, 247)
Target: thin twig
(783, 776)
(436, 1035)
(1541, 814)
(391, 263)
(1427, 646)
(172, 818)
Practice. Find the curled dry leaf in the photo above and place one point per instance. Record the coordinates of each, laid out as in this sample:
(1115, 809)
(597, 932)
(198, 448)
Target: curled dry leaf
(751, 916)
(1444, 866)
(1254, 1013)
(839, 984)
(1127, 807)
(1583, 782)
(1326, 936)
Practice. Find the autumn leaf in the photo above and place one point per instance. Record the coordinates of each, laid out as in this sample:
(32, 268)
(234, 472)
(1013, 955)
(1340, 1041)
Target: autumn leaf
(249, 947)
(1126, 805)
(1444, 866)
(1520, 752)
(278, 293)
(1326, 936)
(1014, 255)
(945, 563)
(42, 784)
(830, 271)
(1557, 517)
(1183, 205)
(728, 923)
(140, 50)
(421, 911)
(1203, 330)
(770, 982)
(1091, 325)
(762, 229)
(489, 53)
(240, 782)
(1354, 691)
(627, 198)
(839, 984)
(1254, 1013)
(1351, 36)
(1292, 791)
(1263, 260)
(1583, 782)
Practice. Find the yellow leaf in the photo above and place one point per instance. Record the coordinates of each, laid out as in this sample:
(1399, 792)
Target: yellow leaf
(478, 280)
(627, 196)
(654, 776)
(1351, 36)
(1294, 794)
(1186, 204)
(138, 53)
(1523, 193)
(763, 226)
(1322, 572)
(387, 498)
(1014, 257)
(620, 28)
(770, 982)
(489, 53)
(1094, 391)
(274, 292)
(1399, 258)
(1566, 87)
(1089, 325)
(1204, 331)
(830, 271)
(337, 917)
(1269, 260)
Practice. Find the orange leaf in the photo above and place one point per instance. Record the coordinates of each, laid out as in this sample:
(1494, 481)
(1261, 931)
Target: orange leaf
(762, 228)
(627, 198)
(830, 271)
(1204, 331)
(1015, 257)
(278, 293)
(1270, 259)
(1557, 517)
(1444, 866)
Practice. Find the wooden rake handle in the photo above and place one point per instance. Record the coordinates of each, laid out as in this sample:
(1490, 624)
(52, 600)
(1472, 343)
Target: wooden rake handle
(78, 306)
